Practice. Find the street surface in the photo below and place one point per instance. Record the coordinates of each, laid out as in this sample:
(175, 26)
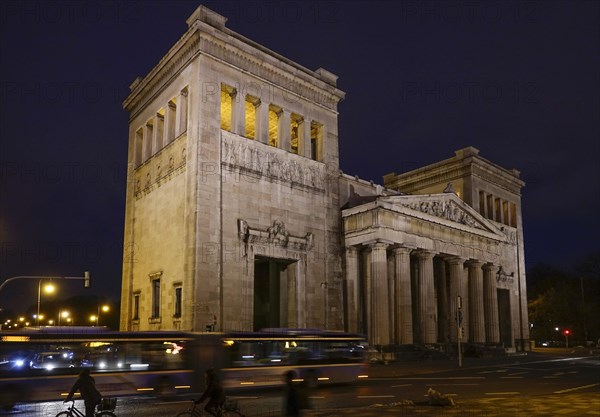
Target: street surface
(537, 384)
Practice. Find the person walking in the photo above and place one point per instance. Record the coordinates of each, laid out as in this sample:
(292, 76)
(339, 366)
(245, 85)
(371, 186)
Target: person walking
(214, 392)
(292, 396)
(87, 388)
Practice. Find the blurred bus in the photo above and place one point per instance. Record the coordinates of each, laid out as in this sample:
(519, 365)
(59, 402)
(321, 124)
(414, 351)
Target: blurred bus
(41, 364)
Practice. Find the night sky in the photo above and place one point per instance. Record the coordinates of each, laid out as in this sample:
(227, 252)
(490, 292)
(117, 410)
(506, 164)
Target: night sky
(519, 81)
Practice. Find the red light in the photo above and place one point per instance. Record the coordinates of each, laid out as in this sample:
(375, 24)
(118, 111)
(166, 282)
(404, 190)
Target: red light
(567, 332)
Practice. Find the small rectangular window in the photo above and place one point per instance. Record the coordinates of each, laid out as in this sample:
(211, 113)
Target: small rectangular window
(274, 113)
(227, 94)
(295, 128)
(155, 298)
(177, 303)
(136, 307)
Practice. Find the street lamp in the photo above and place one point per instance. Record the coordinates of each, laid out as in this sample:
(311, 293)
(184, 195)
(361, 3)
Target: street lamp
(105, 309)
(49, 289)
(64, 314)
(94, 318)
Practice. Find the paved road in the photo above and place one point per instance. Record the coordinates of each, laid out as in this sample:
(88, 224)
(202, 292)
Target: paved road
(521, 386)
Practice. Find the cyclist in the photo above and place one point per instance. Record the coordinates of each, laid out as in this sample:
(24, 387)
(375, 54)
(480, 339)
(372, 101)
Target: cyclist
(214, 392)
(87, 387)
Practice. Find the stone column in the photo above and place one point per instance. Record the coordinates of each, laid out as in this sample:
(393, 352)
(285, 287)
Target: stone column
(455, 266)
(403, 331)
(426, 298)
(262, 122)
(182, 112)
(284, 130)
(379, 321)
(352, 288)
(476, 311)
(492, 325)
(238, 117)
(442, 299)
(305, 139)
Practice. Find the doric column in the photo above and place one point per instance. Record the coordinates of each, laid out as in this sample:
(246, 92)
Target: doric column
(262, 122)
(284, 130)
(238, 117)
(426, 298)
(379, 321)
(305, 139)
(476, 312)
(442, 299)
(352, 309)
(492, 325)
(403, 326)
(455, 269)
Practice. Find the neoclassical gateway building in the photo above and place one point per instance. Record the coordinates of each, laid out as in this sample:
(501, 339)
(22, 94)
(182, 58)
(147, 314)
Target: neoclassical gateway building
(239, 218)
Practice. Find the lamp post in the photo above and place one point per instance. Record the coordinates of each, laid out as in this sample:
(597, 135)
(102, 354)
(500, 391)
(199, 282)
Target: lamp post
(49, 288)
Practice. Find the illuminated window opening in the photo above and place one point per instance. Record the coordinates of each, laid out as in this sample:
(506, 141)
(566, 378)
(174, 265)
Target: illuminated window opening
(227, 94)
(251, 110)
(295, 128)
(316, 141)
(274, 114)
(139, 144)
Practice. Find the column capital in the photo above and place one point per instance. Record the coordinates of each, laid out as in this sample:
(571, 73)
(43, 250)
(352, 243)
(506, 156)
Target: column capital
(377, 243)
(351, 250)
(402, 250)
(425, 254)
(490, 267)
(474, 263)
(455, 260)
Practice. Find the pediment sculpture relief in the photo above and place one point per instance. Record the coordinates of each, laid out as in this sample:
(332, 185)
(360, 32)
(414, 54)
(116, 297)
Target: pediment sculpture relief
(446, 209)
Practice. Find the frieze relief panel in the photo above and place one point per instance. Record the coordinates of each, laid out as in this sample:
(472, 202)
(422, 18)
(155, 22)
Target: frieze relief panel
(445, 209)
(259, 160)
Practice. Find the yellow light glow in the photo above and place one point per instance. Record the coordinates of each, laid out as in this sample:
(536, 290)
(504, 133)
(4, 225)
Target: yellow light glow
(145, 389)
(49, 288)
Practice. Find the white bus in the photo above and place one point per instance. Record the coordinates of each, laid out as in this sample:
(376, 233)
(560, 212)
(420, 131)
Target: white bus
(41, 364)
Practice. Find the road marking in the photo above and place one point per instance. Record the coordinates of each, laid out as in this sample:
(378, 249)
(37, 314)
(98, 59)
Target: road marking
(432, 378)
(453, 385)
(503, 393)
(562, 391)
(375, 396)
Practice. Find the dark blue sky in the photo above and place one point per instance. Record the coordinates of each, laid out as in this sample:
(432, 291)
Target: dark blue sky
(518, 80)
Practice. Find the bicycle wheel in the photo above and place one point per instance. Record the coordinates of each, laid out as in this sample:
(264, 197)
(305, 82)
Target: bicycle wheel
(106, 414)
(64, 414)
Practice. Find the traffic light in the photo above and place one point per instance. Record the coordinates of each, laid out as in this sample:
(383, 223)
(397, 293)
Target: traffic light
(567, 332)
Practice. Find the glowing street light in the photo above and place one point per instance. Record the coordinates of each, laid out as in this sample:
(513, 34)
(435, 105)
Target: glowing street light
(105, 309)
(63, 314)
(48, 289)
(94, 318)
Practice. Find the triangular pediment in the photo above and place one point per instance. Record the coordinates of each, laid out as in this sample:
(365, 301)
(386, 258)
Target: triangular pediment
(445, 206)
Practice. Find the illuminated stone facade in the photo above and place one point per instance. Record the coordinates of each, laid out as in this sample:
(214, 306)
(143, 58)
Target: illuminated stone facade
(238, 216)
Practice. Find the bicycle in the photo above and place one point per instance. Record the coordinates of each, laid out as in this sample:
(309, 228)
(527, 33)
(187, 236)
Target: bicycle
(101, 411)
(229, 408)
